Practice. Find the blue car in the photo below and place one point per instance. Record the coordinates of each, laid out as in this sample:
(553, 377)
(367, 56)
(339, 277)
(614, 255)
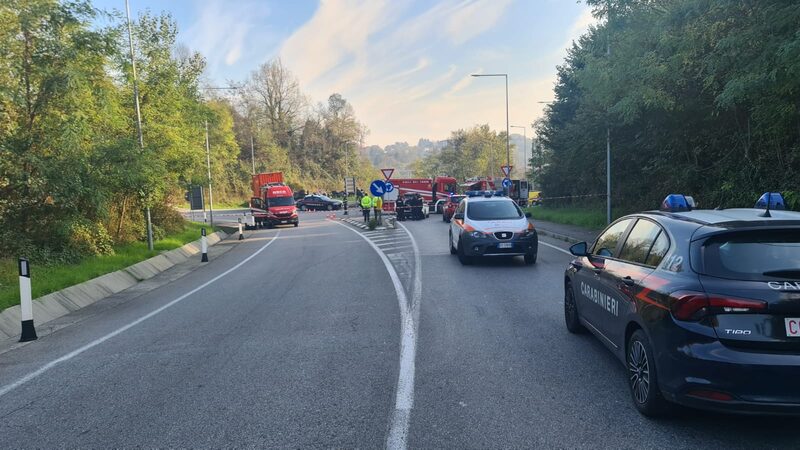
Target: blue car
(701, 306)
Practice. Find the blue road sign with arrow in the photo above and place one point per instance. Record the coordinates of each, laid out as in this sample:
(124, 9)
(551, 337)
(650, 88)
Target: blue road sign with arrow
(389, 186)
(506, 183)
(378, 188)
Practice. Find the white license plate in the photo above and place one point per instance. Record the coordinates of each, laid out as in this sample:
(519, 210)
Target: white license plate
(284, 221)
(792, 327)
(505, 245)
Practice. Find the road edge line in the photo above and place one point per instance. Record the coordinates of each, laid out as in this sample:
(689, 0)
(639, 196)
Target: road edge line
(32, 375)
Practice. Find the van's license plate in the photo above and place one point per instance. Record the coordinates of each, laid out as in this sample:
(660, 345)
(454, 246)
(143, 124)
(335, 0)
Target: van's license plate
(792, 327)
(505, 245)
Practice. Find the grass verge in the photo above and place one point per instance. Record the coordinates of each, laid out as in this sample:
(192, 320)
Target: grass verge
(592, 219)
(51, 278)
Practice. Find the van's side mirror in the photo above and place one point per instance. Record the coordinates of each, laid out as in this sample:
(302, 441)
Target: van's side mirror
(580, 249)
(528, 215)
(458, 216)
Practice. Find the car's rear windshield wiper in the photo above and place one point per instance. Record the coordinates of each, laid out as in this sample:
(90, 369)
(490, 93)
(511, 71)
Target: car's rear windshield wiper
(784, 273)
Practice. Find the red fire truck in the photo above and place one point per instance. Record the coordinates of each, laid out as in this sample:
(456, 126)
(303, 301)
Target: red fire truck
(272, 202)
(430, 189)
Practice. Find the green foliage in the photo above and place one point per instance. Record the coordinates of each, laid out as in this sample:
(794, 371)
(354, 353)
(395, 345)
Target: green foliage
(88, 238)
(478, 151)
(51, 276)
(700, 97)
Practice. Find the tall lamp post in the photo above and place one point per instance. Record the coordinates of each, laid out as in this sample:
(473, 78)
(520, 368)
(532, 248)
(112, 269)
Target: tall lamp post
(524, 150)
(508, 145)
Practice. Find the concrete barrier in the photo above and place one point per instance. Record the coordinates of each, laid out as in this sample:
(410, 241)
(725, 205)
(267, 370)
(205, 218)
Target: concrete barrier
(73, 298)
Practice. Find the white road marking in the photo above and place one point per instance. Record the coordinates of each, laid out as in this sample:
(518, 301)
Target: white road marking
(404, 398)
(557, 248)
(10, 387)
(401, 419)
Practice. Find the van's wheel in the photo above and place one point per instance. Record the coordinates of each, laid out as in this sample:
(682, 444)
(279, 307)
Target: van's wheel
(462, 257)
(571, 317)
(453, 250)
(643, 377)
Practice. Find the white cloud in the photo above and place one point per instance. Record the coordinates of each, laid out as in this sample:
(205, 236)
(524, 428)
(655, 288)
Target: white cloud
(222, 30)
(395, 66)
(473, 17)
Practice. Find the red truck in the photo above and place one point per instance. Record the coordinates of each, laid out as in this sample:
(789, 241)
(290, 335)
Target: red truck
(431, 190)
(272, 202)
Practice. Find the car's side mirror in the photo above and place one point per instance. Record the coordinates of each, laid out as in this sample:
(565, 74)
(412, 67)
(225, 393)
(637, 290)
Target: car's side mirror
(528, 215)
(458, 216)
(580, 249)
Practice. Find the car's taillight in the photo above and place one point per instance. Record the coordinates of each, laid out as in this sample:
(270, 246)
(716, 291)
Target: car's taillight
(688, 305)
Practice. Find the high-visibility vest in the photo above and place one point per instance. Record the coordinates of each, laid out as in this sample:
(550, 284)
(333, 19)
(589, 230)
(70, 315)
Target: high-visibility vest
(377, 202)
(366, 202)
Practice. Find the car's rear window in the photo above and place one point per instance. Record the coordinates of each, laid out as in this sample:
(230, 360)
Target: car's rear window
(494, 210)
(753, 255)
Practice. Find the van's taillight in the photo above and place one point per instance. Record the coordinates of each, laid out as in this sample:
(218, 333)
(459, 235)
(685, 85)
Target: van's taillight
(688, 305)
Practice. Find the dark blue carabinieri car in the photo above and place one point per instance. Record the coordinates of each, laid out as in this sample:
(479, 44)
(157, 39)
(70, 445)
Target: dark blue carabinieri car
(702, 306)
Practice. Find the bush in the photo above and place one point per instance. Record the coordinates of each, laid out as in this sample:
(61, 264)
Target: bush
(88, 238)
(166, 218)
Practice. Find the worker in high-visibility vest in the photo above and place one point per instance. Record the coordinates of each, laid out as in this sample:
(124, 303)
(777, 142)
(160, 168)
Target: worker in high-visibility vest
(366, 204)
(377, 205)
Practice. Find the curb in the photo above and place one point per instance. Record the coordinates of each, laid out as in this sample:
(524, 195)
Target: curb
(561, 237)
(73, 298)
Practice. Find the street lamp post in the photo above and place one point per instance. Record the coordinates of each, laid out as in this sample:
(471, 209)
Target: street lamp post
(508, 145)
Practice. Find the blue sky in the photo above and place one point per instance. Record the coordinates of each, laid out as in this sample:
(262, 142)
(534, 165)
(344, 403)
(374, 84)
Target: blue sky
(404, 65)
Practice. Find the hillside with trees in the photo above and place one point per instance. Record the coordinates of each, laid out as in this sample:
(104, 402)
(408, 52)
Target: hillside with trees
(74, 180)
(699, 97)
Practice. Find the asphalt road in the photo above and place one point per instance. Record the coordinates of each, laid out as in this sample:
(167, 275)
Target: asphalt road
(302, 345)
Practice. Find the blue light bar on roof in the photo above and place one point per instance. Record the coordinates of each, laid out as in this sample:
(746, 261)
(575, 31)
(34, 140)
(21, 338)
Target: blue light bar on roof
(676, 203)
(775, 200)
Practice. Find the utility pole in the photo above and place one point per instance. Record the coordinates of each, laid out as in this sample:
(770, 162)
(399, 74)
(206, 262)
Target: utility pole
(608, 127)
(138, 120)
(208, 166)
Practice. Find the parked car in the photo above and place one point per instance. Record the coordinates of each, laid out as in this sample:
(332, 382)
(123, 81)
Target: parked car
(449, 207)
(318, 202)
(700, 306)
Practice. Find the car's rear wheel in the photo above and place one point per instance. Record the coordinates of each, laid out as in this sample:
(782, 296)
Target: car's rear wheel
(530, 258)
(571, 317)
(643, 378)
(453, 250)
(329, 207)
(302, 207)
(462, 257)
(296, 224)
